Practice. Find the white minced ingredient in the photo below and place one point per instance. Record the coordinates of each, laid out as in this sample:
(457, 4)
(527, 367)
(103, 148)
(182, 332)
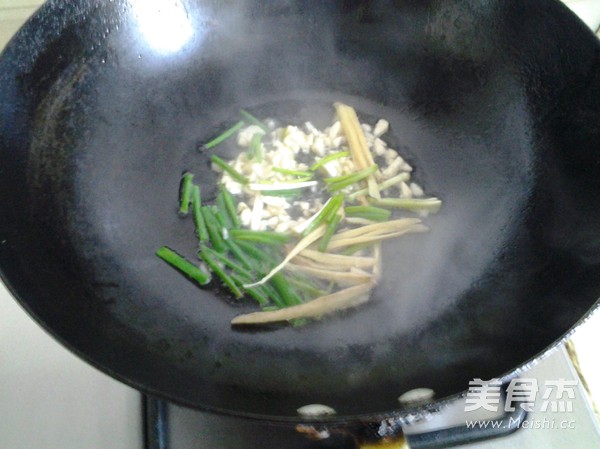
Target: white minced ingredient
(335, 130)
(245, 135)
(338, 141)
(318, 146)
(381, 127)
(273, 211)
(276, 202)
(235, 188)
(416, 189)
(281, 147)
(282, 227)
(379, 147)
(295, 139)
(393, 168)
(391, 154)
(271, 124)
(246, 217)
(405, 190)
(257, 212)
(311, 129)
(334, 168)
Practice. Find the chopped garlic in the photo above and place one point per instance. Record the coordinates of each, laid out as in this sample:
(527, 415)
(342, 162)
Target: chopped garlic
(246, 134)
(246, 217)
(390, 155)
(235, 188)
(393, 168)
(416, 189)
(335, 130)
(379, 147)
(275, 201)
(311, 128)
(337, 141)
(318, 146)
(381, 127)
(257, 211)
(261, 210)
(282, 227)
(405, 190)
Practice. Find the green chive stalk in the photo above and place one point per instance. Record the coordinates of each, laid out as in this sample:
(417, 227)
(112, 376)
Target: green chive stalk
(201, 230)
(258, 294)
(327, 212)
(239, 254)
(220, 272)
(214, 229)
(368, 212)
(288, 293)
(285, 171)
(252, 119)
(402, 177)
(183, 265)
(340, 182)
(255, 149)
(235, 175)
(336, 203)
(331, 228)
(223, 214)
(265, 237)
(306, 287)
(274, 295)
(231, 207)
(256, 253)
(185, 193)
(223, 137)
(289, 193)
(226, 261)
(328, 159)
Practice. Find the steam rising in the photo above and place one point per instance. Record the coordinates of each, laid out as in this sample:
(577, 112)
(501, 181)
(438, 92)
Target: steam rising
(277, 58)
(293, 67)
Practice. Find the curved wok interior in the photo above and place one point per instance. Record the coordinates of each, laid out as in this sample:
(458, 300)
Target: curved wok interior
(496, 104)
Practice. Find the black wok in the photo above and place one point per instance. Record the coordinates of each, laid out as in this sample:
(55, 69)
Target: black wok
(496, 104)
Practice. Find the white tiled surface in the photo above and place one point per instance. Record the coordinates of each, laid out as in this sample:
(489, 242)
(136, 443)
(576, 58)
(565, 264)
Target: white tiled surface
(12, 15)
(587, 10)
(50, 399)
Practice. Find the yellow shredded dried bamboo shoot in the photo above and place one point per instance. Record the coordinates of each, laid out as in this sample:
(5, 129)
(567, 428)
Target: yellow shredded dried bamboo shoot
(342, 299)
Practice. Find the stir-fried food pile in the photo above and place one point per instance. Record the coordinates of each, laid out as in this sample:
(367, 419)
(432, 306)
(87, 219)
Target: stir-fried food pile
(300, 215)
